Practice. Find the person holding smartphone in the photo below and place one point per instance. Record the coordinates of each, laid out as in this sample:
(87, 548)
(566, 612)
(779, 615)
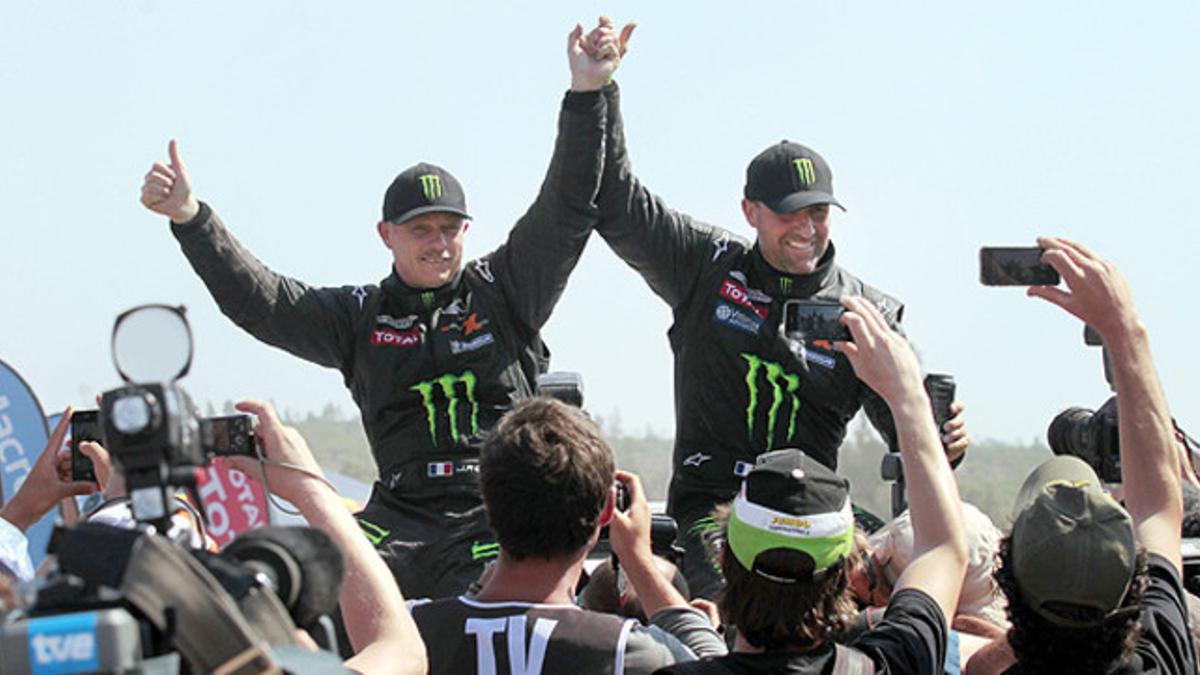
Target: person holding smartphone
(741, 388)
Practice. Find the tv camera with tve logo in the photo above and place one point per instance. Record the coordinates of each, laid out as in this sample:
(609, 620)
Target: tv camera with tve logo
(133, 598)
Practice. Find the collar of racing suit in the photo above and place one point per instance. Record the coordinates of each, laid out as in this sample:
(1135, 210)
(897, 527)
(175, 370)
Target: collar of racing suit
(785, 285)
(418, 300)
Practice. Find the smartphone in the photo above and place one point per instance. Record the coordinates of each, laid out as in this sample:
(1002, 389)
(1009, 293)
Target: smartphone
(85, 426)
(230, 435)
(1008, 266)
(624, 499)
(814, 320)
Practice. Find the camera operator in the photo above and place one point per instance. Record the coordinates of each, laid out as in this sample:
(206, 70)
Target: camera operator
(548, 487)
(1093, 587)
(48, 483)
(789, 537)
(381, 630)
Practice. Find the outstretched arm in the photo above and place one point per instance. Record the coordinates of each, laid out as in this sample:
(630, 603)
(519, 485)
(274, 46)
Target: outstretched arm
(667, 248)
(883, 359)
(1098, 294)
(545, 244)
(311, 323)
(381, 630)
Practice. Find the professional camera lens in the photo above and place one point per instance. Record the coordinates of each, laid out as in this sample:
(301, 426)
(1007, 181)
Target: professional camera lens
(1070, 433)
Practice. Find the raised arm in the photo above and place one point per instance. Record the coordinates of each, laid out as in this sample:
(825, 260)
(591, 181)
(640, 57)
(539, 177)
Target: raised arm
(545, 244)
(381, 631)
(883, 359)
(667, 248)
(312, 323)
(1098, 294)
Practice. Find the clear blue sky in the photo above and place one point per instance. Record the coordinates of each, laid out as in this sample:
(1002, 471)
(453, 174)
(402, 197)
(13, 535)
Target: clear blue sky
(948, 126)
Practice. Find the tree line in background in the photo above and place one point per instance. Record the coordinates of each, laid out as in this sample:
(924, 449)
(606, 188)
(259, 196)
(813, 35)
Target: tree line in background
(989, 477)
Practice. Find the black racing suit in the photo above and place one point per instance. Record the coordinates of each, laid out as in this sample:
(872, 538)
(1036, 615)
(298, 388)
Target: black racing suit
(431, 370)
(740, 389)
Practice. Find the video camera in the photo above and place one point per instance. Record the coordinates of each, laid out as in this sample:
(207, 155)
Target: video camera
(132, 600)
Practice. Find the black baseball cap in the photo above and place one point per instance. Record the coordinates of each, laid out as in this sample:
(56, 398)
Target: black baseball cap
(788, 177)
(423, 188)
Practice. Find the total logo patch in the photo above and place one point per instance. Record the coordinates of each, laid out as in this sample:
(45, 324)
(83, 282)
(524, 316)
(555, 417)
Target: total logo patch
(395, 338)
(755, 294)
(727, 315)
(738, 294)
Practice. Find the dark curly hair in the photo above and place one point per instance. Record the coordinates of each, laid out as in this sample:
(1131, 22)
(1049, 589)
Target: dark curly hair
(1044, 647)
(773, 615)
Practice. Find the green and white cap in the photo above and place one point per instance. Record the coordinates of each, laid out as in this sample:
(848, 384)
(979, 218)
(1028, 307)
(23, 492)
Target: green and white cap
(791, 501)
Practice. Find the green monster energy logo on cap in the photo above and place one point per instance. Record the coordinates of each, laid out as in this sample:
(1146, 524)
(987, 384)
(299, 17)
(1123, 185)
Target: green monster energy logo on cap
(480, 551)
(448, 384)
(805, 170)
(785, 285)
(431, 186)
(775, 376)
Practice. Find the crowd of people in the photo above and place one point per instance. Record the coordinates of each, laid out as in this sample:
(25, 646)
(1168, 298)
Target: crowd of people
(490, 499)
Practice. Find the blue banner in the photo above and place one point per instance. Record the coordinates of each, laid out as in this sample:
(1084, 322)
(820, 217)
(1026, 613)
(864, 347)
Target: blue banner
(23, 435)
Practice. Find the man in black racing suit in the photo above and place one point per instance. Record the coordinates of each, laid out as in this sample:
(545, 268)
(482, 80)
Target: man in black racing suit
(740, 389)
(436, 352)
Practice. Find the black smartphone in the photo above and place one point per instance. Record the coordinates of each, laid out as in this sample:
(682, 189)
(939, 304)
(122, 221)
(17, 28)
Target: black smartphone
(624, 499)
(85, 426)
(1011, 266)
(228, 436)
(814, 320)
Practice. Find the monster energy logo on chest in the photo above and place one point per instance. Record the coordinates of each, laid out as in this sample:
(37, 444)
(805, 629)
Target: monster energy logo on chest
(783, 386)
(431, 186)
(805, 170)
(454, 390)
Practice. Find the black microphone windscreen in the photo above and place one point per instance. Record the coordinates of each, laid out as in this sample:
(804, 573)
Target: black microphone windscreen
(319, 560)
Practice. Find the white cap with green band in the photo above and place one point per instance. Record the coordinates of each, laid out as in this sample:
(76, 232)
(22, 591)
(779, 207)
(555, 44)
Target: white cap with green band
(826, 537)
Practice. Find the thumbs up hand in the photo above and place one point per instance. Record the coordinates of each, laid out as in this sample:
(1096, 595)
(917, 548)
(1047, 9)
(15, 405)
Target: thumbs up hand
(167, 189)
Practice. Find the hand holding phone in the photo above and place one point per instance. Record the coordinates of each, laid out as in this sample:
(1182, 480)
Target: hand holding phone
(814, 320)
(1015, 266)
(85, 426)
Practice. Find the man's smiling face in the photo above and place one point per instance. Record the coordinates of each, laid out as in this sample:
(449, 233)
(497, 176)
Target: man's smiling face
(427, 250)
(790, 242)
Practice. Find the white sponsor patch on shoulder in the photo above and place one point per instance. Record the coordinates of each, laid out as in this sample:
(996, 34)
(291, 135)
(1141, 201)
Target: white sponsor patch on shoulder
(819, 359)
(460, 346)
